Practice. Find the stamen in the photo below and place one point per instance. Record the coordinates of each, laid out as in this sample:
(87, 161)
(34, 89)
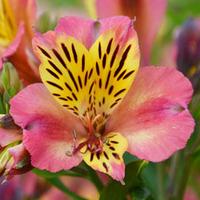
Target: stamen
(122, 182)
(69, 153)
(73, 149)
(96, 118)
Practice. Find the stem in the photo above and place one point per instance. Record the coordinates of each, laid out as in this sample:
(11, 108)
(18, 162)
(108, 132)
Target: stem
(173, 174)
(161, 193)
(58, 184)
(187, 163)
(180, 167)
(195, 145)
(184, 178)
(82, 172)
(47, 174)
(189, 157)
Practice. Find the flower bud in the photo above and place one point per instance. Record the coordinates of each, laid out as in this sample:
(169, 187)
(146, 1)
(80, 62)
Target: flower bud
(6, 158)
(7, 122)
(188, 51)
(14, 159)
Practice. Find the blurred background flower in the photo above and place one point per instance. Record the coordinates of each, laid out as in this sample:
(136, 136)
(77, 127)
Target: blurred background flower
(17, 20)
(188, 51)
(147, 16)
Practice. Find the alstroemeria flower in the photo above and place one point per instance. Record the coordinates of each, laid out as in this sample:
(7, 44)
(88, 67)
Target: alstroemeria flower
(14, 159)
(148, 15)
(16, 23)
(91, 108)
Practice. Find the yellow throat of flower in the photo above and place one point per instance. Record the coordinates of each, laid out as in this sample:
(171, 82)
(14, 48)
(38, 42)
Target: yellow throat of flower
(8, 26)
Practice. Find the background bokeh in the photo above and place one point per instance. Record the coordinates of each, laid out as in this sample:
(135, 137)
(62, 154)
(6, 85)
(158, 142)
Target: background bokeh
(178, 11)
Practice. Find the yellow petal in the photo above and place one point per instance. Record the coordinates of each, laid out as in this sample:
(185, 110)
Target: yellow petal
(116, 64)
(67, 72)
(90, 81)
(110, 160)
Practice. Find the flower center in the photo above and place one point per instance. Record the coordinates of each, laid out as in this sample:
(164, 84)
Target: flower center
(95, 138)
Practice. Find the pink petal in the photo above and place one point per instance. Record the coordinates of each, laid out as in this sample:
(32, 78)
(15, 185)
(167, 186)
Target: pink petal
(118, 172)
(15, 43)
(30, 183)
(8, 136)
(48, 128)
(190, 194)
(112, 8)
(87, 31)
(47, 39)
(80, 28)
(154, 115)
(121, 25)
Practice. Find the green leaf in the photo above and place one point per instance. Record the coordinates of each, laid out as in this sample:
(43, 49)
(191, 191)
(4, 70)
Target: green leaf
(115, 190)
(5, 76)
(47, 174)
(129, 158)
(10, 84)
(149, 177)
(140, 193)
(155, 180)
(46, 23)
(194, 140)
(63, 2)
(2, 106)
(195, 107)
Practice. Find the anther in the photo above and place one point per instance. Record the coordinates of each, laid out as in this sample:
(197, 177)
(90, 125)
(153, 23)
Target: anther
(69, 153)
(98, 135)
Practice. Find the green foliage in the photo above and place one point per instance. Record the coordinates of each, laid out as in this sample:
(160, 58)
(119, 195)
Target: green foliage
(45, 23)
(47, 174)
(60, 3)
(115, 190)
(128, 158)
(10, 84)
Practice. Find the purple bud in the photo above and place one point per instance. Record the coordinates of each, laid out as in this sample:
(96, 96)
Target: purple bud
(7, 122)
(188, 51)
